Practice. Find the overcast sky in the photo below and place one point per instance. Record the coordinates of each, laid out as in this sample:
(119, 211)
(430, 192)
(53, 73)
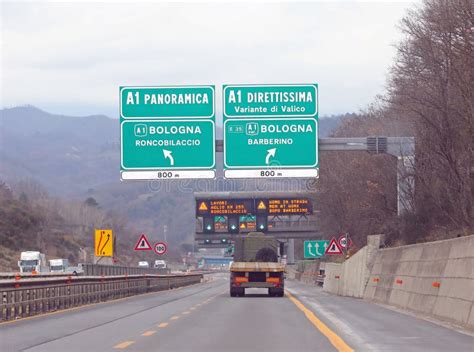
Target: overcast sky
(71, 58)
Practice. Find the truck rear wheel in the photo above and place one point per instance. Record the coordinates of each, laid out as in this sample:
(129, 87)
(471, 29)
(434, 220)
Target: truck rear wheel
(234, 292)
(276, 292)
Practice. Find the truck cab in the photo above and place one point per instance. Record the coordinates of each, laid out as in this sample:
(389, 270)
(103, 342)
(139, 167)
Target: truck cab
(32, 262)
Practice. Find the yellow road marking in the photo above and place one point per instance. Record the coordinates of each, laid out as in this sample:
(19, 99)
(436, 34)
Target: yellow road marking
(149, 333)
(187, 312)
(124, 345)
(174, 317)
(163, 325)
(335, 340)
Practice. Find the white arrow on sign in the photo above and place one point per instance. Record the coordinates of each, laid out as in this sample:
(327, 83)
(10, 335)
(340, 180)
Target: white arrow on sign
(310, 251)
(317, 249)
(167, 154)
(270, 153)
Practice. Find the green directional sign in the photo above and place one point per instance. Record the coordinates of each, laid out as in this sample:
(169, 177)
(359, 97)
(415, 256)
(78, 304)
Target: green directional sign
(167, 132)
(281, 143)
(315, 249)
(167, 102)
(294, 100)
(270, 130)
(165, 144)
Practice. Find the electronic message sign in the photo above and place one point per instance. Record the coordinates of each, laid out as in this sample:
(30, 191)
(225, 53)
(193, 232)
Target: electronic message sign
(210, 207)
(284, 206)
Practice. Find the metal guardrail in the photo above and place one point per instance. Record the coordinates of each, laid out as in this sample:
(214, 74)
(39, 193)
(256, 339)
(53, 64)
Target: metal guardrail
(28, 297)
(109, 270)
(92, 270)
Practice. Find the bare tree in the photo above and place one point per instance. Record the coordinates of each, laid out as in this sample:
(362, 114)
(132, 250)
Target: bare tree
(432, 84)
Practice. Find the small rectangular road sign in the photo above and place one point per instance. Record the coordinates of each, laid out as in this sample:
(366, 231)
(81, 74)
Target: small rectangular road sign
(103, 243)
(315, 249)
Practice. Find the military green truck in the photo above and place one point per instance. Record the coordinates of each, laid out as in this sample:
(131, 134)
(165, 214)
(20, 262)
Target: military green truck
(256, 265)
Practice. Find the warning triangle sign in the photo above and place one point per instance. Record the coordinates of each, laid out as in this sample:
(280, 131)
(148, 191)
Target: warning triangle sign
(261, 205)
(143, 244)
(203, 206)
(333, 247)
(242, 225)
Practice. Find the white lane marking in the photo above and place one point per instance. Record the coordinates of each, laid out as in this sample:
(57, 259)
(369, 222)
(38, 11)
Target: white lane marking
(342, 327)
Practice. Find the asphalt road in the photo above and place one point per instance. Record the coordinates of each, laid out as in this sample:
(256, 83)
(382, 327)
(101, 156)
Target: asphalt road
(204, 318)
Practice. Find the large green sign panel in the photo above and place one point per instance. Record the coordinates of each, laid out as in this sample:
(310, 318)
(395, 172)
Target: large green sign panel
(181, 144)
(167, 102)
(167, 132)
(270, 130)
(279, 143)
(315, 249)
(270, 100)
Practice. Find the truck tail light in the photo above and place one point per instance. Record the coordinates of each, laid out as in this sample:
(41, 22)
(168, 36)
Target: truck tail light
(240, 279)
(273, 280)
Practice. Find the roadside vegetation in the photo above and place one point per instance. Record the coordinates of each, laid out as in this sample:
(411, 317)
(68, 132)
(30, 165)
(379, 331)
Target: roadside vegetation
(429, 96)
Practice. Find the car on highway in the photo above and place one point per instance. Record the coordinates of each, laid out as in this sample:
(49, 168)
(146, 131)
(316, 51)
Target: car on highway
(143, 264)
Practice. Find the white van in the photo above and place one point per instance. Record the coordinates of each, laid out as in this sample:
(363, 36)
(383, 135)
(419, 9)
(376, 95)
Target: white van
(160, 264)
(58, 265)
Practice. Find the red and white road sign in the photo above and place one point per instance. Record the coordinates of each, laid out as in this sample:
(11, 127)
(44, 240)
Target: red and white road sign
(143, 244)
(333, 248)
(160, 248)
(343, 242)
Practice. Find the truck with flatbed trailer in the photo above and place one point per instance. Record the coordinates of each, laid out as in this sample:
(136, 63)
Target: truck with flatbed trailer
(256, 265)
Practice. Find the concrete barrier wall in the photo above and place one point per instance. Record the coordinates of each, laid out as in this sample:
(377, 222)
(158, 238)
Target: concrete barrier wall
(332, 281)
(435, 278)
(310, 272)
(350, 278)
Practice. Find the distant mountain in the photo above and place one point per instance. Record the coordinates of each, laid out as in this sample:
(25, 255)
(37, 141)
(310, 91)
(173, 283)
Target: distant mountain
(77, 157)
(66, 154)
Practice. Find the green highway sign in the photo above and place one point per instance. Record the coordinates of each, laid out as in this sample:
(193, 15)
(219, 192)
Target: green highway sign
(279, 143)
(289, 100)
(315, 249)
(270, 130)
(167, 102)
(167, 132)
(166, 144)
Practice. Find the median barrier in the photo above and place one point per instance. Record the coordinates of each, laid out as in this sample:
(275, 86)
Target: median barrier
(26, 297)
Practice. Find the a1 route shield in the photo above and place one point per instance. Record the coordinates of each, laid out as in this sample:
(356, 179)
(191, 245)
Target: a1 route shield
(165, 144)
(315, 249)
(275, 143)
